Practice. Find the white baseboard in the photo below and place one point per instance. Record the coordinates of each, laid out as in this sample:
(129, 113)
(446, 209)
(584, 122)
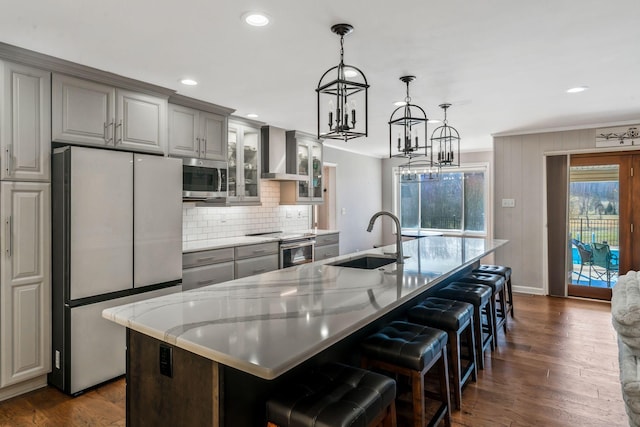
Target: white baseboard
(528, 290)
(23, 387)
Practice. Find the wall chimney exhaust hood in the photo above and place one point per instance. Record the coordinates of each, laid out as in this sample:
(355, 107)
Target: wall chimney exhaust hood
(278, 157)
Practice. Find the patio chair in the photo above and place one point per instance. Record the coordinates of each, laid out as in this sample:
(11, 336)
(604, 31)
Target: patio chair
(584, 250)
(602, 258)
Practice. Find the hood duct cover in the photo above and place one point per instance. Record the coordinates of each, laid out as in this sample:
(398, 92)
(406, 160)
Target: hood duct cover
(278, 156)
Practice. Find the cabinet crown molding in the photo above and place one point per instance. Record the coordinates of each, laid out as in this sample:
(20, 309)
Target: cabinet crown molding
(197, 104)
(40, 60)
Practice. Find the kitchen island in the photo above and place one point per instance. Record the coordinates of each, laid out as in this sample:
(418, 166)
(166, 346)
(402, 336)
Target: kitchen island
(211, 356)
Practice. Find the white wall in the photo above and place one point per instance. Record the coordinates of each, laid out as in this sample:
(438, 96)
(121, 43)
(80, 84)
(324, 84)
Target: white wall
(358, 195)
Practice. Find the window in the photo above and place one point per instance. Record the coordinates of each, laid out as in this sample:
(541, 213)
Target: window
(454, 203)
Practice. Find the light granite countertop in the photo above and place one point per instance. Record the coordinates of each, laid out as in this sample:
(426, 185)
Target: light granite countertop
(269, 323)
(227, 242)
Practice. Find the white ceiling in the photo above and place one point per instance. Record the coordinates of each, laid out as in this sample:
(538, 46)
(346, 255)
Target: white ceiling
(503, 64)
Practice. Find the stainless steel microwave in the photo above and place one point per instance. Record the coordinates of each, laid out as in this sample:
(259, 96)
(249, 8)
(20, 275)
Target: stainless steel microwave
(204, 179)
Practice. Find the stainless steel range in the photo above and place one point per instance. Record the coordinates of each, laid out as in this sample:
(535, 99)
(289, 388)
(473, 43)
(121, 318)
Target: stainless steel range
(295, 248)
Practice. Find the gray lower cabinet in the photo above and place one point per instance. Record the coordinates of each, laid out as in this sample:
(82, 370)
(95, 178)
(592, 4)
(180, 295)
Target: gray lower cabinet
(327, 246)
(256, 259)
(207, 268)
(213, 266)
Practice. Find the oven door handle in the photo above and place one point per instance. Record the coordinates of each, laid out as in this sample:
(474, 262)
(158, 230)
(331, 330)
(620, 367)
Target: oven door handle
(298, 244)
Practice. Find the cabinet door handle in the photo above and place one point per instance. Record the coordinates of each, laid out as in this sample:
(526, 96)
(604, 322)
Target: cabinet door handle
(219, 179)
(8, 161)
(106, 132)
(119, 125)
(204, 147)
(259, 270)
(212, 258)
(258, 251)
(198, 148)
(205, 282)
(9, 237)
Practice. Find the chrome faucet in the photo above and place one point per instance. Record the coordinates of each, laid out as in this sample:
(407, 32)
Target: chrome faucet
(400, 257)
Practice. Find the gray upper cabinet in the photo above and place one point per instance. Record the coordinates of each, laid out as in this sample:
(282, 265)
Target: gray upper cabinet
(194, 133)
(309, 164)
(25, 123)
(141, 120)
(244, 162)
(90, 113)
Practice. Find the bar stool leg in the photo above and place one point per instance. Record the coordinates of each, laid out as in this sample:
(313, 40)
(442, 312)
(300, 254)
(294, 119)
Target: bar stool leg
(471, 339)
(417, 385)
(491, 321)
(444, 386)
(503, 309)
(477, 318)
(454, 345)
(510, 296)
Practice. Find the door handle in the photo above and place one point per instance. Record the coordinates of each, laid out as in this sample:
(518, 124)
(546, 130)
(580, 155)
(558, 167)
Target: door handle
(106, 133)
(209, 259)
(9, 241)
(8, 160)
(205, 282)
(119, 125)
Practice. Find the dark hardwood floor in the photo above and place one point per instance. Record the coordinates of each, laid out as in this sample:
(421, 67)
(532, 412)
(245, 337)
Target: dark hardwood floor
(557, 366)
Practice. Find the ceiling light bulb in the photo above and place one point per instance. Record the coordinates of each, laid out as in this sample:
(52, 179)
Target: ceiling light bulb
(399, 103)
(433, 121)
(188, 82)
(577, 89)
(350, 72)
(252, 115)
(256, 19)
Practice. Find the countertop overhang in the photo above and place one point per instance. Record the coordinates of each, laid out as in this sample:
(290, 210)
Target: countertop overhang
(265, 325)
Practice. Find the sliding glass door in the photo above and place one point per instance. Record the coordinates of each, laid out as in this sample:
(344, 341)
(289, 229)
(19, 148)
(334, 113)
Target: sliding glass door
(598, 223)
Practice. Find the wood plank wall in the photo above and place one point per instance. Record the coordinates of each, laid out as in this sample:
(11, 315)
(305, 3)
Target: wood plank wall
(519, 174)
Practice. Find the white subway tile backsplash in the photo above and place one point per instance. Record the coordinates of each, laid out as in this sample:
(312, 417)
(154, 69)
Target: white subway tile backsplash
(204, 222)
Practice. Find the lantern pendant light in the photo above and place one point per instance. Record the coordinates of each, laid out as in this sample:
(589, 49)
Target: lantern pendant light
(409, 122)
(342, 98)
(447, 139)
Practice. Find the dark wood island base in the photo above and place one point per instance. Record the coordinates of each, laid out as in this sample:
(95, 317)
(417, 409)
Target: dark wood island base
(190, 397)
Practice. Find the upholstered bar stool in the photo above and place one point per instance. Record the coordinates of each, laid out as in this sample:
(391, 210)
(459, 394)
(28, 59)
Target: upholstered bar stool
(505, 272)
(456, 318)
(412, 350)
(496, 283)
(336, 395)
(480, 297)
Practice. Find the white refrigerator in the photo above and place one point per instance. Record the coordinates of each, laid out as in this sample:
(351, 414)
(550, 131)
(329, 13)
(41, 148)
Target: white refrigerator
(116, 238)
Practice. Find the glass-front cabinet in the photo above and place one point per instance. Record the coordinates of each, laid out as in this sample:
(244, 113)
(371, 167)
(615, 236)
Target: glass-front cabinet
(244, 161)
(309, 165)
(316, 171)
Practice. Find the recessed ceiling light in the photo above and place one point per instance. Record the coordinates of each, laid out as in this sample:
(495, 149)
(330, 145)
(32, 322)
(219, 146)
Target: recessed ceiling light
(433, 121)
(188, 82)
(577, 89)
(256, 19)
(350, 72)
(252, 115)
(399, 103)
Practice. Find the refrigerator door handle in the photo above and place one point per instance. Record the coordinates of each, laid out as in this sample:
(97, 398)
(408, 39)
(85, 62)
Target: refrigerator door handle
(9, 227)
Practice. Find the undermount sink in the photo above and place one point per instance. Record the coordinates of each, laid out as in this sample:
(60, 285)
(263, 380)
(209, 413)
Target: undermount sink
(366, 262)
